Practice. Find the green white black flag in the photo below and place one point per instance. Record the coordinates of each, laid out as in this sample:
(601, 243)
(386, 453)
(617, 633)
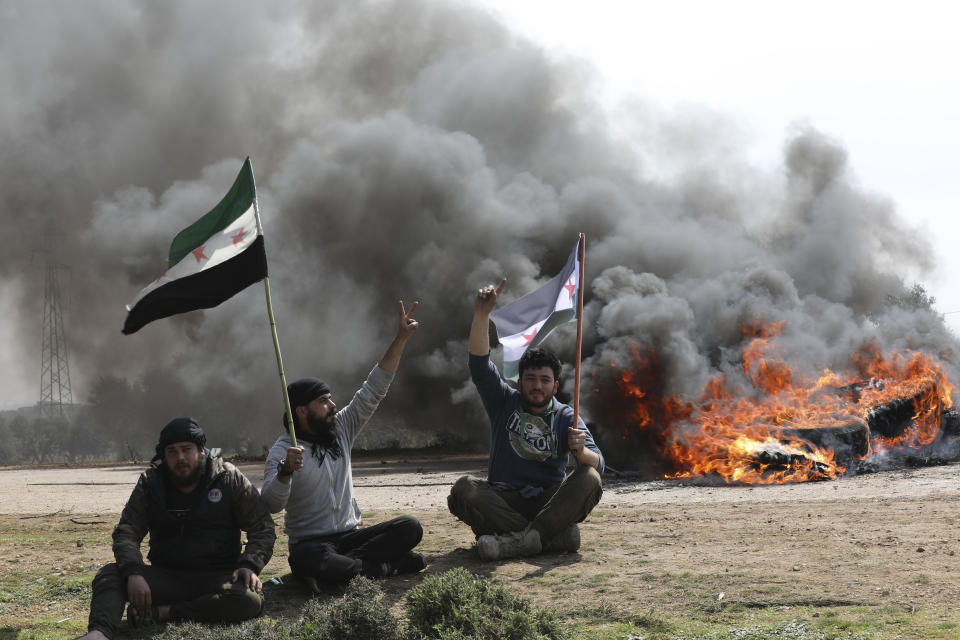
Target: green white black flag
(216, 257)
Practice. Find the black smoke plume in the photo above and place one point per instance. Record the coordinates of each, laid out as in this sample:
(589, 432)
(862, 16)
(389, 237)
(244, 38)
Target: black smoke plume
(403, 149)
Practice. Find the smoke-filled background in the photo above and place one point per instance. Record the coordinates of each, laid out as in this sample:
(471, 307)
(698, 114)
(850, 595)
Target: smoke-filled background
(408, 149)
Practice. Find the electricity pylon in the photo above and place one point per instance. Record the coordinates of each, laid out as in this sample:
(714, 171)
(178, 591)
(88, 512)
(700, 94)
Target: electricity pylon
(56, 398)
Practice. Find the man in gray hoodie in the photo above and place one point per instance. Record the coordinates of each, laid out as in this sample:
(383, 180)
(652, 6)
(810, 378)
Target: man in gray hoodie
(315, 483)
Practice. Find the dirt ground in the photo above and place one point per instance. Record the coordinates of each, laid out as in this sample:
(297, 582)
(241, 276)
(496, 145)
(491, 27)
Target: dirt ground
(887, 541)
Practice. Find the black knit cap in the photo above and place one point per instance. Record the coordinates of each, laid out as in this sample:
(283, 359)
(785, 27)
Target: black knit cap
(304, 391)
(180, 430)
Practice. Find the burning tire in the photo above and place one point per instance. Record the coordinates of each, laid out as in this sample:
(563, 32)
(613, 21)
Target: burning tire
(910, 422)
(848, 440)
(893, 418)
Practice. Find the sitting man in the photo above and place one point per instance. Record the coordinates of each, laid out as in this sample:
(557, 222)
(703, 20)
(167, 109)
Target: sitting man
(525, 505)
(327, 544)
(193, 505)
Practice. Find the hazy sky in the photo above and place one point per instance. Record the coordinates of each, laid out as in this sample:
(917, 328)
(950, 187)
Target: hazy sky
(879, 77)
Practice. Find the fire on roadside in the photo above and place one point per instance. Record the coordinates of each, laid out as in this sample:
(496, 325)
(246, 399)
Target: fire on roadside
(768, 435)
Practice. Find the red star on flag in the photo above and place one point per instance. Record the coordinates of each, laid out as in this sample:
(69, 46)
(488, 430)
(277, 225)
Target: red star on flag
(238, 238)
(570, 287)
(529, 337)
(198, 253)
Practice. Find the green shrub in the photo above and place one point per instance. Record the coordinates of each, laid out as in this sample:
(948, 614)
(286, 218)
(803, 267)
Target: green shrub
(457, 605)
(360, 614)
(257, 629)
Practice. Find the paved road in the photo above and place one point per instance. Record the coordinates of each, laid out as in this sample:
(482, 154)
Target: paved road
(389, 483)
(395, 485)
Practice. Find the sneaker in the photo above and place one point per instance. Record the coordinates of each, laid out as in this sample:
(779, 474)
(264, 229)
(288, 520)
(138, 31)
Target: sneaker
(139, 618)
(411, 562)
(566, 540)
(509, 545)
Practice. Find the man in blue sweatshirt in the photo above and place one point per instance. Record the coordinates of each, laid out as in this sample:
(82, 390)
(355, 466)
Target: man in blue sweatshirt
(527, 504)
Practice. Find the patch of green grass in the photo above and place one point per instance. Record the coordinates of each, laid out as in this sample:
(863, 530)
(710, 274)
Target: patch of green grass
(598, 579)
(558, 578)
(12, 586)
(768, 588)
(20, 589)
(651, 622)
(566, 578)
(648, 577)
(687, 579)
(798, 622)
(57, 588)
(47, 627)
(25, 538)
(614, 631)
(608, 619)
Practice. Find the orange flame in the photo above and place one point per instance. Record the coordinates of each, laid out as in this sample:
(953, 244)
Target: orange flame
(769, 437)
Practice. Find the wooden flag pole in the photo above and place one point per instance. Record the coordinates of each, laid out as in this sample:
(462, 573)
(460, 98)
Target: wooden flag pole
(283, 378)
(581, 251)
(273, 330)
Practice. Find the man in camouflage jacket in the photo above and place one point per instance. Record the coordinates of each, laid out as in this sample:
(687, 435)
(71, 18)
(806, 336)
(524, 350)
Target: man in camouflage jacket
(194, 506)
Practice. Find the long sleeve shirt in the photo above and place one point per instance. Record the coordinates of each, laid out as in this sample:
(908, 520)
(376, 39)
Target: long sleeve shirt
(527, 450)
(319, 497)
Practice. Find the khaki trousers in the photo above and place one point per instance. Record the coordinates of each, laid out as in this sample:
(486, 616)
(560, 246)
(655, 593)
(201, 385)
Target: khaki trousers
(489, 509)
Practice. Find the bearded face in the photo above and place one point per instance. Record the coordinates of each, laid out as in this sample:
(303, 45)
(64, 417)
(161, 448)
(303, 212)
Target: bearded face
(320, 416)
(184, 462)
(537, 387)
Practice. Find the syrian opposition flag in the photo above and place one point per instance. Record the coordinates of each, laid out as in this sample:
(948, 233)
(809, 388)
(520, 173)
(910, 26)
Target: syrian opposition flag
(527, 321)
(216, 257)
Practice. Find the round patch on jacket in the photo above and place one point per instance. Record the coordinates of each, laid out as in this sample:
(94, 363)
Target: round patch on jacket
(215, 495)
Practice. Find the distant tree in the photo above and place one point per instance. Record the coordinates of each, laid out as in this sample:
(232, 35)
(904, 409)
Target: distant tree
(84, 442)
(9, 451)
(49, 437)
(23, 448)
(914, 299)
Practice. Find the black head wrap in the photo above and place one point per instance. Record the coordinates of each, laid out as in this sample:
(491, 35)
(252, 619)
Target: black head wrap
(180, 430)
(303, 392)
